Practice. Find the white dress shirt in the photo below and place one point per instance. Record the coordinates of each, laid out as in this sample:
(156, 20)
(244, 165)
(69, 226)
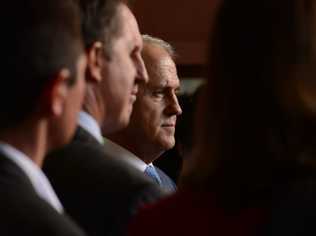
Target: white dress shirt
(88, 123)
(36, 176)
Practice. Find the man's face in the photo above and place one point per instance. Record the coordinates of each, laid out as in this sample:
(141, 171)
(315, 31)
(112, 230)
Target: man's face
(155, 112)
(122, 73)
(66, 123)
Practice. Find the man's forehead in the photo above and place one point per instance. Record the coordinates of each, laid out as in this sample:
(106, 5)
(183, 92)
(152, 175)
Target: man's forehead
(165, 83)
(129, 23)
(167, 65)
(164, 77)
(161, 67)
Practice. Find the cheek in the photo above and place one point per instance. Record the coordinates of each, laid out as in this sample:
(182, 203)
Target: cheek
(129, 66)
(115, 78)
(153, 120)
(112, 92)
(82, 91)
(128, 74)
(142, 118)
(76, 97)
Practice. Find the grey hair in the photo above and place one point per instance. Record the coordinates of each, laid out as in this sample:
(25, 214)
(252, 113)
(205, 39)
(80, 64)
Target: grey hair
(161, 43)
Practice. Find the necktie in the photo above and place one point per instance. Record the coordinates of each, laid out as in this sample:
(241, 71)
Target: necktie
(151, 172)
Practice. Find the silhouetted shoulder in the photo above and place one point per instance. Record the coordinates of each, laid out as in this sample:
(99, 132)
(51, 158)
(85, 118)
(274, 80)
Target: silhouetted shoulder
(23, 212)
(99, 191)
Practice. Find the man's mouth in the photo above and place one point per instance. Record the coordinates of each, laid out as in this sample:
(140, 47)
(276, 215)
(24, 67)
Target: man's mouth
(169, 125)
(135, 90)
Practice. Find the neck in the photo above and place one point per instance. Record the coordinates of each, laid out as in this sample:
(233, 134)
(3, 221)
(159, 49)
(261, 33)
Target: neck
(29, 139)
(93, 104)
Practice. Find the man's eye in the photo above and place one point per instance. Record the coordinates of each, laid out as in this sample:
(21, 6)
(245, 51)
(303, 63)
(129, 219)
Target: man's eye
(158, 93)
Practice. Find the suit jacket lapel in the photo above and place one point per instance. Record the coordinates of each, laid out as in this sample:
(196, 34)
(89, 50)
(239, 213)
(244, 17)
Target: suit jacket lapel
(81, 135)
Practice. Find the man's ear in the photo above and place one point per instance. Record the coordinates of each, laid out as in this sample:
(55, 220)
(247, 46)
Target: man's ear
(55, 94)
(95, 56)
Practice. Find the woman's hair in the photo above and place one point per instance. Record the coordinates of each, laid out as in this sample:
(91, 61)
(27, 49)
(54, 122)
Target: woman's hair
(254, 125)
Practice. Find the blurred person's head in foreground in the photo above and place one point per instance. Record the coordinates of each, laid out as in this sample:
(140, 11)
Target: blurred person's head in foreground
(256, 118)
(43, 75)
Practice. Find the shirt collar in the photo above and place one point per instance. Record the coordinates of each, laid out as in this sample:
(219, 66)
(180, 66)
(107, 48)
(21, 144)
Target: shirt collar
(87, 122)
(125, 154)
(36, 176)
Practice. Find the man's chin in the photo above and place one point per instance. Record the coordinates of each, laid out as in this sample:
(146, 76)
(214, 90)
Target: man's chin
(168, 144)
(123, 121)
(113, 127)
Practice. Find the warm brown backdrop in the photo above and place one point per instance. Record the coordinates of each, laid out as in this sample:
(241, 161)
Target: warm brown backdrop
(183, 23)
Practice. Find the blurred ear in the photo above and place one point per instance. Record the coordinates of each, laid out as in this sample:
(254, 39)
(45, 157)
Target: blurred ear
(55, 94)
(95, 58)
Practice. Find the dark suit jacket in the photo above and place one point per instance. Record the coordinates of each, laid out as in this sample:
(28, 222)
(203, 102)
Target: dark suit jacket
(166, 182)
(23, 212)
(98, 190)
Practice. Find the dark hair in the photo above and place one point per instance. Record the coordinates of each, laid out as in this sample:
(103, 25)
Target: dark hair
(39, 39)
(99, 22)
(255, 131)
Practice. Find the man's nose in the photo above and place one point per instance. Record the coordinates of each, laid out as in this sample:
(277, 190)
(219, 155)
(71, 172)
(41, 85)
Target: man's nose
(174, 107)
(177, 106)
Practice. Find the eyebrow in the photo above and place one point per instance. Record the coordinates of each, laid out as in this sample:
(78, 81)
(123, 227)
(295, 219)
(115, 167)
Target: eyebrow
(164, 86)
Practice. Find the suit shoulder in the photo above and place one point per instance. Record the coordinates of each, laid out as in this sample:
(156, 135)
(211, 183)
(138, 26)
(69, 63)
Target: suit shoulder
(85, 164)
(23, 212)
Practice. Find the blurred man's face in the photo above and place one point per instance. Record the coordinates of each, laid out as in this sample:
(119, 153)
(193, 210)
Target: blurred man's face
(155, 112)
(122, 73)
(64, 125)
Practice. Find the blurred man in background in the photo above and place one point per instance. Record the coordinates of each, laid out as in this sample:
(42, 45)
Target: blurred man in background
(98, 190)
(152, 127)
